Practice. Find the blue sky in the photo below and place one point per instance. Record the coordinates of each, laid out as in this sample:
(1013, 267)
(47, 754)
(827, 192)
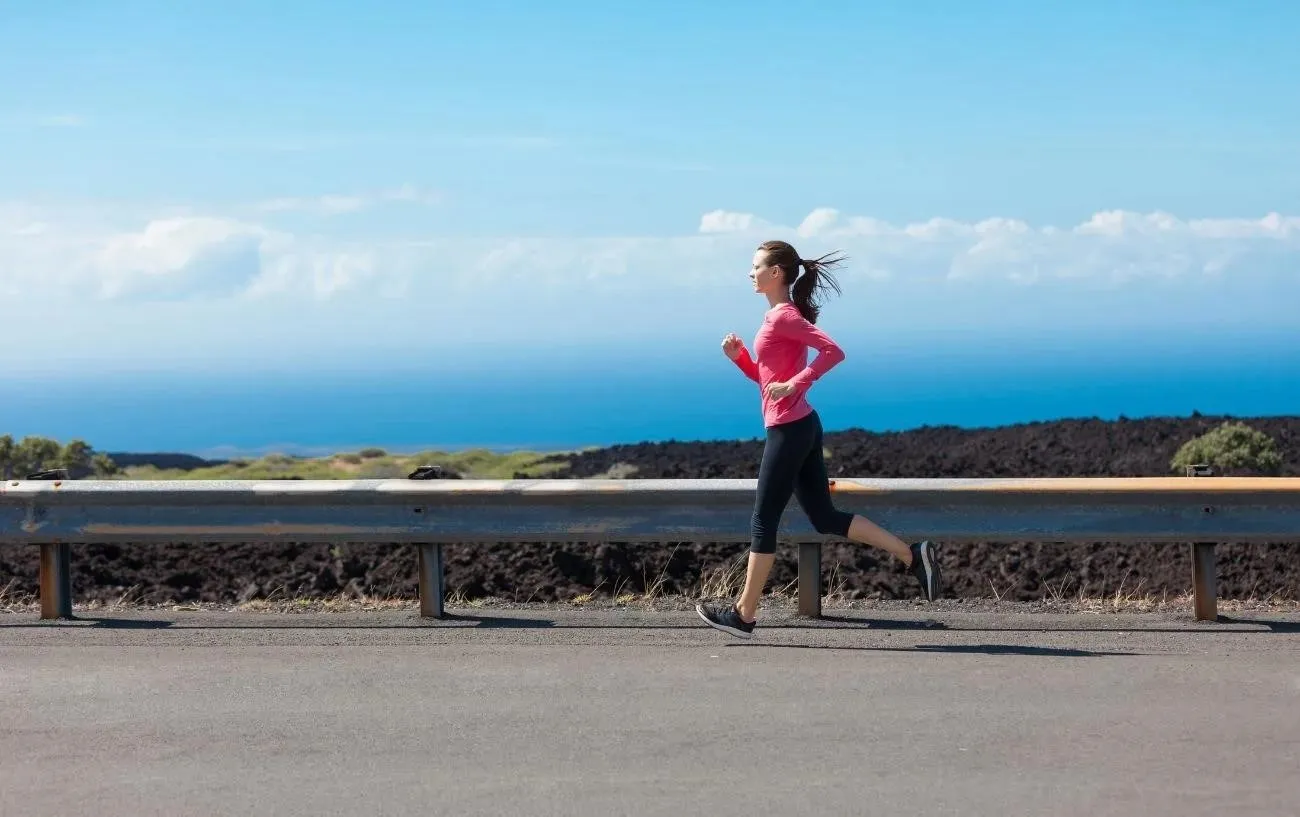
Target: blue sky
(239, 185)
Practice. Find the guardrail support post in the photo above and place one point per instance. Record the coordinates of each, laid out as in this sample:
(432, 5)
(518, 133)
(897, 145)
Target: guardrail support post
(810, 579)
(56, 580)
(1205, 584)
(1205, 580)
(430, 580)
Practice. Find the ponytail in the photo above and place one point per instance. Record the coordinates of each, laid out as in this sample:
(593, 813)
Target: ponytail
(816, 279)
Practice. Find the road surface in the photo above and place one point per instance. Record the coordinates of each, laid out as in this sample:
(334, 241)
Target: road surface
(628, 713)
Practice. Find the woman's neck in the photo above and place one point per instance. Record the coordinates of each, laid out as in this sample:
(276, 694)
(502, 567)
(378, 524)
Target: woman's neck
(775, 299)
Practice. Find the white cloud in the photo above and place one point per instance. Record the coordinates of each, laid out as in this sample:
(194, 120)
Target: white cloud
(723, 221)
(182, 258)
(820, 220)
(337, 204)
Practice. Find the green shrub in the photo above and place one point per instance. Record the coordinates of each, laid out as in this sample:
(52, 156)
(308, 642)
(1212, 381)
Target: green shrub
(1232, 448)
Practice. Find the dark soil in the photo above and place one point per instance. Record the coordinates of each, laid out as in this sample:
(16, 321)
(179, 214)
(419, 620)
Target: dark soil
(553, 572)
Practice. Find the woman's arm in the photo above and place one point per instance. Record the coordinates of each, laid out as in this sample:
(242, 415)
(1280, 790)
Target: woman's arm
(790, 324)
(747, 364)
(734, 348)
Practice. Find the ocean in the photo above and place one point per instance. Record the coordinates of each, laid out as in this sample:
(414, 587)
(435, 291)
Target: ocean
(627, 398)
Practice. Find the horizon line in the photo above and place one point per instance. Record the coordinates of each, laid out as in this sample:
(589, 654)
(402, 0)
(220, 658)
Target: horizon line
(227, 453)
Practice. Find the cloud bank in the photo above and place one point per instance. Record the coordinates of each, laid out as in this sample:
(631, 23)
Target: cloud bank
(242, 289)
(182, 257)
(1111, 246)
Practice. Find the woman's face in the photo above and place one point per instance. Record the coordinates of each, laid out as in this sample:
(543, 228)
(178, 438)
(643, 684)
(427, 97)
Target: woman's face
(766, 277)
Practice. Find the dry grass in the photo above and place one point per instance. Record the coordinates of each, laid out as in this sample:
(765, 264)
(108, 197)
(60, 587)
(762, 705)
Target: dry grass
(11, 602)
(728, 582)
(1136, 600)
(724, 582)
(343, 603)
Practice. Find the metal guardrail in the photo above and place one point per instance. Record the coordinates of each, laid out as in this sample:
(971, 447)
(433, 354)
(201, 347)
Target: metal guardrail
(57, 514)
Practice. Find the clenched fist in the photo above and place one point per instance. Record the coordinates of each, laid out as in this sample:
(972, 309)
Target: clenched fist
(778, 390)
(731, 345)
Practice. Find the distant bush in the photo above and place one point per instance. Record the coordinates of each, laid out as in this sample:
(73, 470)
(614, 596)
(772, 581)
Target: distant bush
(32, 454)
(372, 453)
(1232, 448)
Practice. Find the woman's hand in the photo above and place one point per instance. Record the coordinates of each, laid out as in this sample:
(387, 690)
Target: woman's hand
(778, 390)
(731, 346)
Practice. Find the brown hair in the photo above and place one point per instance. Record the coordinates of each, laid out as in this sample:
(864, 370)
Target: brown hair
(816, 276)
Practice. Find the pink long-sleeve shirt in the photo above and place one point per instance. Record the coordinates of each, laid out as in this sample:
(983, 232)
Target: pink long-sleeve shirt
(781, 347)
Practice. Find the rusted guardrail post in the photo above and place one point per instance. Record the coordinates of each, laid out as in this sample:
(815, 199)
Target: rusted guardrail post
(56, 580)
(810, 579)
(1205, 579)
(56, 558)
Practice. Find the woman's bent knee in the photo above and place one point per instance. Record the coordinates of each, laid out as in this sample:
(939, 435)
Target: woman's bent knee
(831, 522)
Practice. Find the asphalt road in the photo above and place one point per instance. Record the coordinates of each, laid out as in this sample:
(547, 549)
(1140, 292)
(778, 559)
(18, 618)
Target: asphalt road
(536, 713)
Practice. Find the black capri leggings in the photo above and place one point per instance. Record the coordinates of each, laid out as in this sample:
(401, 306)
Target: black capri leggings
(793, 463)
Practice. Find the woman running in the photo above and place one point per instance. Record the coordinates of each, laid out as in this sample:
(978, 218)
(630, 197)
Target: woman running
(792, 457)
